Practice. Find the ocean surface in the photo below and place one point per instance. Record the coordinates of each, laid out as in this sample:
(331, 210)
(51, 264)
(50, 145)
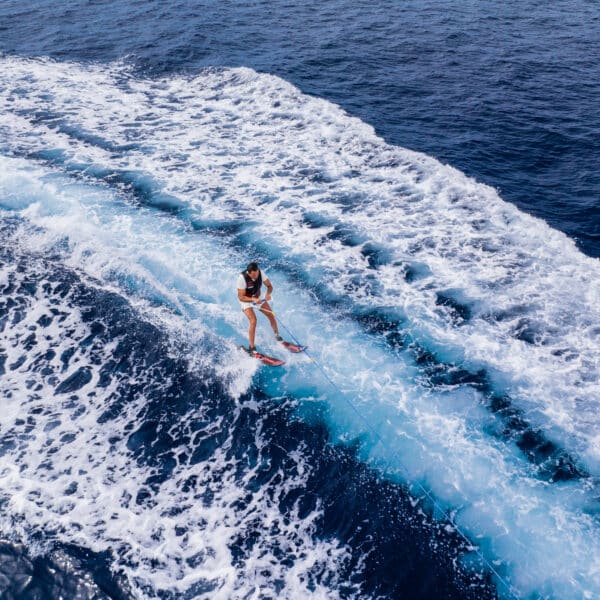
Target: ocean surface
(421, 182)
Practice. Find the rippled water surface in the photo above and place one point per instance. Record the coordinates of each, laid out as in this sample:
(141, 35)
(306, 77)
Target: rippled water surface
(419, 180)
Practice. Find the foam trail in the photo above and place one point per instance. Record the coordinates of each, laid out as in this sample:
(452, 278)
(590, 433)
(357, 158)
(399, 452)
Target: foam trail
(73, 447)
(439, 438)
(476, 281)
(471, 278)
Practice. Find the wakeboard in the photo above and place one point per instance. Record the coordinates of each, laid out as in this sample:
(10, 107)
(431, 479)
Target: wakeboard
(264, 358)
(292, 347)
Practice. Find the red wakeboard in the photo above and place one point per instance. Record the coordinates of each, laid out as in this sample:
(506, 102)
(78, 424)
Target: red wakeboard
(264, 358)
(292, 347)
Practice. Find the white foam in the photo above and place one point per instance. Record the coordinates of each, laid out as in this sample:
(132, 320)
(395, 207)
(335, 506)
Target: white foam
(59, 441)
(237, 145)
(430, 436)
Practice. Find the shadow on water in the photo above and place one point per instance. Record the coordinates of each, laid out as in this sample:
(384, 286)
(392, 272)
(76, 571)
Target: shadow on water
(67, 571)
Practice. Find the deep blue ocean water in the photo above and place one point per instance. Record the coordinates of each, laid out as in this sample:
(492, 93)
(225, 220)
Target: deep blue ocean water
(444, 443)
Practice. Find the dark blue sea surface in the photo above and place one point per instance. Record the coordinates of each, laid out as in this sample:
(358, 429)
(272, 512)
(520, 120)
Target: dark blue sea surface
(439, 440)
